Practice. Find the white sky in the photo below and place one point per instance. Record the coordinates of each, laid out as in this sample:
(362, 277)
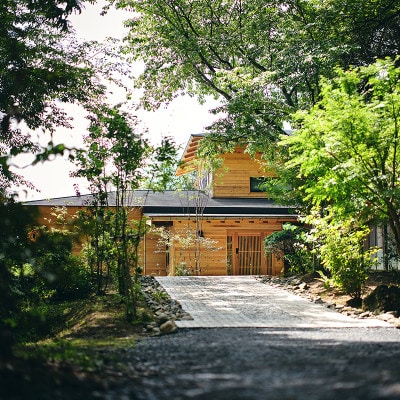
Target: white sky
(183, 117)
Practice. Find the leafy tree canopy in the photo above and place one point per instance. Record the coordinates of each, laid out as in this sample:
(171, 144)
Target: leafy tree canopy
(263, 59)
(41, 67)
(346, 150)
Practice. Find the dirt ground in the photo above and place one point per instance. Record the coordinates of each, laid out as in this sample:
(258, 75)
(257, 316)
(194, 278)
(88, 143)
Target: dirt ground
(333, 295)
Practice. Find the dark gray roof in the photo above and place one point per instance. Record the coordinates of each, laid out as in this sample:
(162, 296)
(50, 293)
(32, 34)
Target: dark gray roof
(180, 203)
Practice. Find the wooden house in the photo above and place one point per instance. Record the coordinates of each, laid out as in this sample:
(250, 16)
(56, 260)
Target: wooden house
(216, 229)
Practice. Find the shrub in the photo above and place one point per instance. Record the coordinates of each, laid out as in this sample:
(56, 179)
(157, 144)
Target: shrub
(58, 270)
(74, 280)
(291, 244)
(340, 246)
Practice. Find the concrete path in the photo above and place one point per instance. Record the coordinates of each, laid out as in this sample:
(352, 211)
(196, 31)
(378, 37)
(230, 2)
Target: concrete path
(245, 302)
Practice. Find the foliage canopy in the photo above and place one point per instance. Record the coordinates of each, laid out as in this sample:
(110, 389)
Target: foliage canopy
(263, 59)
(42, 66)
(346, 149)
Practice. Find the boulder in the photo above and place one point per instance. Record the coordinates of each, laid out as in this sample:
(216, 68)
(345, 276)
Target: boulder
(354, 302)
(383, 299)
(168, 327)
(161, 318)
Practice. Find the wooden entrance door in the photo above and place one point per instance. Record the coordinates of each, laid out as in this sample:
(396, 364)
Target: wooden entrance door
(248, 254)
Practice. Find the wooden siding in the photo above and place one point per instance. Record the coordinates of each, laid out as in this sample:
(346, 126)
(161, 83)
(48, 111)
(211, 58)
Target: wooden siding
(48, 217)
(154, 256)
(214, 257)
(189, 155)
(220, 239)
(233, 178)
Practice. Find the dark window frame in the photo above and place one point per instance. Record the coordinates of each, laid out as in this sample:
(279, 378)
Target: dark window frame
(255, 182)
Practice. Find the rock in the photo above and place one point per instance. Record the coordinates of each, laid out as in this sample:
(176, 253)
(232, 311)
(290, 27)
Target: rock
(161, 318)
(186, 317)
(365, 314)
(156, 331)
(318, 300)
(384, 298)
(303, 286)
(387, 317)
(150, 327)
(354, 302)
(396, 322)
(164, 309)
(299, 287)
(168, 327)
(347, 309)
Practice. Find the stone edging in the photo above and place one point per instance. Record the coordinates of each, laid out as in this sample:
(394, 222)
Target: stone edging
(165, 309)
(300, 288)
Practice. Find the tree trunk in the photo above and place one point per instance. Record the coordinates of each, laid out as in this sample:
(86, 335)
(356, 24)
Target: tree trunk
(394, 224)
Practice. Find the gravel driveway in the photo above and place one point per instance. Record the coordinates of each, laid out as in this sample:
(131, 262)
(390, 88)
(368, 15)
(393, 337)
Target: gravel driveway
(288, 360)
(244, 302)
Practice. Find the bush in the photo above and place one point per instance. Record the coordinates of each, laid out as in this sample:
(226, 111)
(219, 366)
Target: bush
(340, 246)
(46, 319)
(38, 321)
(291, 244)
(72, 280)
(384, 298)
(57, 270)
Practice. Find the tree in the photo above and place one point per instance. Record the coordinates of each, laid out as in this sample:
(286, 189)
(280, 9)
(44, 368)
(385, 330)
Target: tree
(14, 251)
(37, 74)
(41, 67)
(346, 148)
(160, 172)
(263, 59)
(114, 164)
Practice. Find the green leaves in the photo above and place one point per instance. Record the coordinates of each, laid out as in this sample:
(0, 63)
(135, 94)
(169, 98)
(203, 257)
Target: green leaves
(339, 243)
(291, 244)
(42, 66)
(263, 59)
(346, 148)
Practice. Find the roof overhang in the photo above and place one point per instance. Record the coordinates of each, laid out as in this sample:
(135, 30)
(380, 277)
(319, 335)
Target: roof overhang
(169, 217)
(189, 154)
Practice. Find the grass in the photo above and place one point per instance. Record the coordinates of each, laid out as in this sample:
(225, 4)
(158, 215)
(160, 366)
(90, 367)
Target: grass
(89, 354)
(86, 348)
(85, 333)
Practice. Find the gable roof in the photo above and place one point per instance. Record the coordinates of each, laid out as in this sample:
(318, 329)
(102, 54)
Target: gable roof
(181, 204)
(189, 154)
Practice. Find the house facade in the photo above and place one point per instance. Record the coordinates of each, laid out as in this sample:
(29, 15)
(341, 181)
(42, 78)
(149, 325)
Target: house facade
(216, 229)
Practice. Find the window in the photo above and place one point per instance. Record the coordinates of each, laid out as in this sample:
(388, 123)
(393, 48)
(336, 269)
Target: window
(256, 184)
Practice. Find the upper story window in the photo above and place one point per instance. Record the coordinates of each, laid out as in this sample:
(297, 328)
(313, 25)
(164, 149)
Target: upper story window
(256, 184)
